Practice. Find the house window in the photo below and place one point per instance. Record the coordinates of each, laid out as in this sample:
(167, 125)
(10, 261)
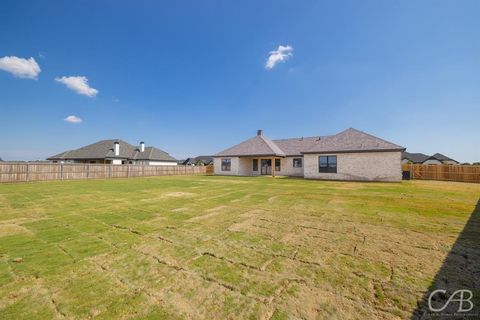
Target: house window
(327, 164)
(255, 164)
(297, 162)
(226, 164)
(277, 164)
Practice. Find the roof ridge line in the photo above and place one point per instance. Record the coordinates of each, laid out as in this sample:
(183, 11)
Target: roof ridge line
(309, 137)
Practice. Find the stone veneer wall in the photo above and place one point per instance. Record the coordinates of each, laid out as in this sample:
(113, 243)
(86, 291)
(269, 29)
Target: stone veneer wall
(364, 166)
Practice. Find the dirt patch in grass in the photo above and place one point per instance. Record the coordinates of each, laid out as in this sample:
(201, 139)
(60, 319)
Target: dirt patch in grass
(211, 213)
(8, 229)
(178, 194)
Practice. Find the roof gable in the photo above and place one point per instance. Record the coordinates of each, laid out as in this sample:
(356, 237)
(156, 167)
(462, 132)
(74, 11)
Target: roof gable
(258, 146)
(204, 159)
(421, 158)
(442, 157)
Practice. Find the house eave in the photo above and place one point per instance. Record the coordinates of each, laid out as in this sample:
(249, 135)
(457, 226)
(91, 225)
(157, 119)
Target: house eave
(249, 155)
(353, 151)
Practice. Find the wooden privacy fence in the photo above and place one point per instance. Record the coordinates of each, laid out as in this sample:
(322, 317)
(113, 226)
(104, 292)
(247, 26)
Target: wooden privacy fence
(30, 171)
(443, 172)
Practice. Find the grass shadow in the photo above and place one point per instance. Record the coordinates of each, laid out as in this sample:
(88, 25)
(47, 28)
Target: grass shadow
(460, 270)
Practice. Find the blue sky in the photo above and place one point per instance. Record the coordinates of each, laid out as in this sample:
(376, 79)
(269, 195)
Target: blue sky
(190, 77)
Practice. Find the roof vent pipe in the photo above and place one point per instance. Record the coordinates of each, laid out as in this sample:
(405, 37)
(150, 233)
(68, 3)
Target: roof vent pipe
(117, 148)
(142, 146)
(259, 132)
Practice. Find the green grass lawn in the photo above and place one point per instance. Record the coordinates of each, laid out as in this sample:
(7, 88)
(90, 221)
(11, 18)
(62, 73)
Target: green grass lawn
(225, 247)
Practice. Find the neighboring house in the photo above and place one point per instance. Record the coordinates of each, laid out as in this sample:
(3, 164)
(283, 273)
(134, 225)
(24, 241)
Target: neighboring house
(420, 158)
(408, 157)
(197, 161)
(443, 159)
(116, 151)
(348, 155)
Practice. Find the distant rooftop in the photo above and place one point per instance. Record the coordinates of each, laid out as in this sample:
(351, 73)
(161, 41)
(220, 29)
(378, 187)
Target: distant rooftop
(104, 149)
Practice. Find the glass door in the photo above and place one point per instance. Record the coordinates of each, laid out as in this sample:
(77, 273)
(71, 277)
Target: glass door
(266, 168)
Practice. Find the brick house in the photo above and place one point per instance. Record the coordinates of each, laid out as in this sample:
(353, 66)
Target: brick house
(348, 155)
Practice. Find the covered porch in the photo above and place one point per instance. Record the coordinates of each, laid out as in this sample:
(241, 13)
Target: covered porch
(260, 166)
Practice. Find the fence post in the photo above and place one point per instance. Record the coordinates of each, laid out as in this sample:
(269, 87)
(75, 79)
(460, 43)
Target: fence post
(110, 171)
(61, 171)
(26, 176)
(128, 171)
(88, 170)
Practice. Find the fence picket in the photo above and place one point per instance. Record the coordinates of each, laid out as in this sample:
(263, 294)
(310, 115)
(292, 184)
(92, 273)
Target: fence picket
(458, 173)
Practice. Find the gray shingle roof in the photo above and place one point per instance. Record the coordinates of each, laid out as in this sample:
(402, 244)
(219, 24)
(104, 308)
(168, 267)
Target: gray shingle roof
(98, 150)
(204, 159)
(442, 157)
(104, 149)
(415, 157)
(258, 146)
(152, 153)
(421, 158)
(295, 146)
(350, 140)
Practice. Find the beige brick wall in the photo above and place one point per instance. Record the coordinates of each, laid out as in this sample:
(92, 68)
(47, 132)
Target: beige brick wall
(217, 166)
(367, 166)
(287, 169)
(243, 166)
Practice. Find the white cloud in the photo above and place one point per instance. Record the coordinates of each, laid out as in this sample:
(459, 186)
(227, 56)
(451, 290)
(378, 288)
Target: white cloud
(79, 84)
(19, 67)
(279, 55)
(72, 119)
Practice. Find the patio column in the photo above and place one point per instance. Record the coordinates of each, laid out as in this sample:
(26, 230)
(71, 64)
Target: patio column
(273, 167)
